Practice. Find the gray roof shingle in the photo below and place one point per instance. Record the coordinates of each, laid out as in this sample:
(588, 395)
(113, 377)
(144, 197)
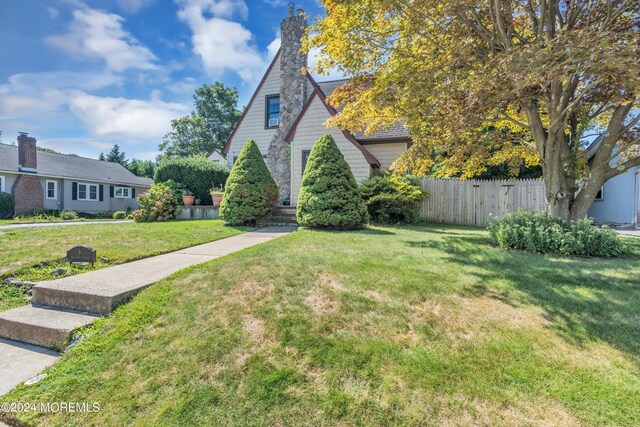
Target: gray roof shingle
(397, 131)
(73, 167)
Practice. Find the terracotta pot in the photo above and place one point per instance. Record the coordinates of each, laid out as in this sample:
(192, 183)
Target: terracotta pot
(217, 199)
(188, 200)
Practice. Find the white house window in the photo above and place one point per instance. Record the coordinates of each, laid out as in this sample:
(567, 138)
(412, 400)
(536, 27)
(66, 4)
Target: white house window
(305, 157)
(87, 192)
(600, 194)
(2, 184)
(52, 189)
(122, 192)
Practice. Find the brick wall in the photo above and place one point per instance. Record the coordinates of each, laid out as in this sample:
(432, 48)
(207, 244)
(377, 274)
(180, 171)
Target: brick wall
(27, 189)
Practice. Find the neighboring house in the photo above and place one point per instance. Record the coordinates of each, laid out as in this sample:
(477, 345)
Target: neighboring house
(287, 114)
(40, 180)
(618, 201)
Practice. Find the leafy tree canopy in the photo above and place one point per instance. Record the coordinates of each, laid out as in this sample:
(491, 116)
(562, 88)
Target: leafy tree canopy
(206, 128)
(485, 82)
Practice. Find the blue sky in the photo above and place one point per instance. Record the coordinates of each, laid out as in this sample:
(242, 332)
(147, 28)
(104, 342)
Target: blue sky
(82, 75)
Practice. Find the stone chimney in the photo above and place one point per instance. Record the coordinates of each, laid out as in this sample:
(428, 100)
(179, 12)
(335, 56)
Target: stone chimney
(27, 189)
(293, 95)
(27, 154)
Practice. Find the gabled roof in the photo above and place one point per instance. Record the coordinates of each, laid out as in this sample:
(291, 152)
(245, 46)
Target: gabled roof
(395, 132)
(56, 165)
(317, 92)
(225, 149)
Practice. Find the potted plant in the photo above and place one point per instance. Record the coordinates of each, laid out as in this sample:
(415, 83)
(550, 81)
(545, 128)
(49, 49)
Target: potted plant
(187, 197)
(216, 195)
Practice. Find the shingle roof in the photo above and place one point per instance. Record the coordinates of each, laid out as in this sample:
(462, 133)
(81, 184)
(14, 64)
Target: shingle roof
(397, 131)
(73, 167)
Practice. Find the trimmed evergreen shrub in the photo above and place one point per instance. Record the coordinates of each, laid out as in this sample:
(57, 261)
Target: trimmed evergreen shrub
(7, 205)
(393, 199)
(329, 197)
(197, 174)
(251, 193)
(69, 214)
(542, 233)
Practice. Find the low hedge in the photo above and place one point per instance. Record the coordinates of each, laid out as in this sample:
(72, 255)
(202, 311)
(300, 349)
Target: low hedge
(542, 233)
(393, 199)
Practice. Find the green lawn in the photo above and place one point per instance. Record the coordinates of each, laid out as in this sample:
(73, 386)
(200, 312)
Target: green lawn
(389, 326)
(120, 242)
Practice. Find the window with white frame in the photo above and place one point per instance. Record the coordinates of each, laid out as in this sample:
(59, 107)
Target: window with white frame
(600, 194)
(122, 192)
(2, 184)
(87, 192)
(51, 189)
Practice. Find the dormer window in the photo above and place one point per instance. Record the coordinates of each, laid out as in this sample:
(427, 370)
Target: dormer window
(272, 112)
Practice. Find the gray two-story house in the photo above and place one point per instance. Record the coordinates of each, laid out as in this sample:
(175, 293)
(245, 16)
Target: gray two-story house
(40, 180)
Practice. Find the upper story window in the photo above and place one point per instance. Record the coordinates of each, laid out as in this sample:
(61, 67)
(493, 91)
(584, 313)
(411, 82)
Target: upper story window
(272, 111)
(600, 195)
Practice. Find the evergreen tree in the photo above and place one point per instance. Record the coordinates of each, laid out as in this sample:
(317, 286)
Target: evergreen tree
(102, 158)
(329, 197)
(115, 155)
(251, 193)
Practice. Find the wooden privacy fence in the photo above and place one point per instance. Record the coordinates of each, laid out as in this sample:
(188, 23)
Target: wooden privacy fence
(475, 202)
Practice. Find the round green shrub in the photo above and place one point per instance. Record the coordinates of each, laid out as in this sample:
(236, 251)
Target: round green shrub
(393, 199)
(156, 204)
(196, 173)
(69, 215)
(329, 196)
(251, 193)
(119, 215)
(7, 205)
(542, 233)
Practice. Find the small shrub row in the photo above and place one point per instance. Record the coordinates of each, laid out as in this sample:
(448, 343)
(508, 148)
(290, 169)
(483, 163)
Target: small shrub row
(542, 233)
(119, 215)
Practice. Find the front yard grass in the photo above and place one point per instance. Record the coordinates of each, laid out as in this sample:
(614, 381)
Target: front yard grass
(22, 248)
(388, 326)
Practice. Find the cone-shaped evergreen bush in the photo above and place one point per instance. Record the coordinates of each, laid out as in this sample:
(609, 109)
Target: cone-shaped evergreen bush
(251, 193)
(329, 197)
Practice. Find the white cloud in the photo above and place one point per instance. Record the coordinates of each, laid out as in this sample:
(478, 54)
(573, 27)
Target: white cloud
(134, 6)
(134, 118)
(99, 35)
(220, 43)
(313, 58)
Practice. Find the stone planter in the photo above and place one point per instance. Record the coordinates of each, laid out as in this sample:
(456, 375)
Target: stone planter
(188, 200)
(217, 199)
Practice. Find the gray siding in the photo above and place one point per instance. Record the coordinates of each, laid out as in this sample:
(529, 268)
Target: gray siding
(620, 203)
(9, 179)
(57, 203)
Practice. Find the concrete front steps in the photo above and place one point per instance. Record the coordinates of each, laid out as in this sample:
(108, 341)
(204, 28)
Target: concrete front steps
(61, 306)
(283, 216)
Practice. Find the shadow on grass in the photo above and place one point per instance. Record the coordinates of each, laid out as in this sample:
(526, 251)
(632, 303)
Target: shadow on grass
(584, 299)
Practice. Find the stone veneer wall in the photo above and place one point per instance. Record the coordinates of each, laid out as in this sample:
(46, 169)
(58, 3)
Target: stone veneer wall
(293, 94)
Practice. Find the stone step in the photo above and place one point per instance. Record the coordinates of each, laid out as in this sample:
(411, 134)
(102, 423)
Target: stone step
(42, 326)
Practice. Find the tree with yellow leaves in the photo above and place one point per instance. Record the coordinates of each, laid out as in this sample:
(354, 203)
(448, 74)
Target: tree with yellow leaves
(493, 81)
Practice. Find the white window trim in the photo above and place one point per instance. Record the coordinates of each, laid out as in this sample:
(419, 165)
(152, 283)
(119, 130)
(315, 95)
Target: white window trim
(88, 192)
(55, 190)
(3, 182)
(601, 195)
(122, 196)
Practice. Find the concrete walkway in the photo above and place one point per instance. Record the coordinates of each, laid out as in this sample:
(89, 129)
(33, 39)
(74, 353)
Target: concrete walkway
(63, 305)
(62, 224)
(629, 232)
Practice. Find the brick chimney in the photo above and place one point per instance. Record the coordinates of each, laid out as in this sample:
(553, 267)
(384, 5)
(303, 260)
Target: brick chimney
(293, 95)
(27, 153)
(27, 189)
